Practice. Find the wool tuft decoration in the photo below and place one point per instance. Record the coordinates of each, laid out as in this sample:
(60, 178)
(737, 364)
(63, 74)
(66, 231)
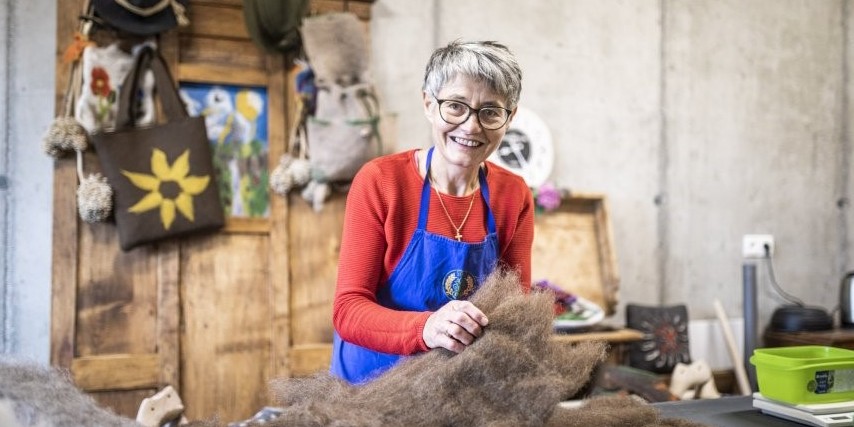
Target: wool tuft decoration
(94, 198)
(32, 395)
(316, 193)
(281, 181)
(513, 375)
(289, 173)
(301, 171)
(64, 135)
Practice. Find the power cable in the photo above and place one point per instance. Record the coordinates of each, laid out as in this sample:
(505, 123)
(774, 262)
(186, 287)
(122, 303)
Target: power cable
(792, 299)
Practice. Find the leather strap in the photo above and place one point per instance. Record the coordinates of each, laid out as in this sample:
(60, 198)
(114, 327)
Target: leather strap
(148, 59)
(144, 11)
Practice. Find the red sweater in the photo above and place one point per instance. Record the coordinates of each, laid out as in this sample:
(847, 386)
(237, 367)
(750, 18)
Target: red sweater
(380, 218)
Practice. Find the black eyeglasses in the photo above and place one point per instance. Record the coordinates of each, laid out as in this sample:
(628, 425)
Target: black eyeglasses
(456, 113)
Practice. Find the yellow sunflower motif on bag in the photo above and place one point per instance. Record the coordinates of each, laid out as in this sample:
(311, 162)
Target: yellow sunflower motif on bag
(170, 188)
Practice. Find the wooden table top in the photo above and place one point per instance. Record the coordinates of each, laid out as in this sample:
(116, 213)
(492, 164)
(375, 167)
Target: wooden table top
(612, 336)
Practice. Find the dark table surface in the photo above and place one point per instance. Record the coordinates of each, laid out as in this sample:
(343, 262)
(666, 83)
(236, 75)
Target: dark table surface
(733, 411)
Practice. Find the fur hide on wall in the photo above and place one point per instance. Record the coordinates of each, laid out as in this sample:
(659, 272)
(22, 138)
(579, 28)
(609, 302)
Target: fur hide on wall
(36, 396)
(513, 375)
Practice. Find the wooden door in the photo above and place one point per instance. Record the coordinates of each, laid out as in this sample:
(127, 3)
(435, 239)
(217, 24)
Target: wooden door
(215, 316)
(115, 315)
(234, 285)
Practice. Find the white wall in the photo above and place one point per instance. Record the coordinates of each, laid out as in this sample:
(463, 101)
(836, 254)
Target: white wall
(702, 120)
(27, 46)
(4, 179)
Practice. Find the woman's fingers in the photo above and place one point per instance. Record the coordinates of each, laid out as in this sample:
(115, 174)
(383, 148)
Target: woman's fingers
(435, 333)
(454, 326)
(467, 316)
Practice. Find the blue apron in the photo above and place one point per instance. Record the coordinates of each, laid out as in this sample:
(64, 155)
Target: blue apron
(434, 270)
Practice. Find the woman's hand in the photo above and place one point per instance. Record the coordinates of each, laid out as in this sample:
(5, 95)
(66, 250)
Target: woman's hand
(454, 326)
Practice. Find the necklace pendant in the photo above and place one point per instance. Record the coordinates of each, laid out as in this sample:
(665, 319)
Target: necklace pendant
(458, 236)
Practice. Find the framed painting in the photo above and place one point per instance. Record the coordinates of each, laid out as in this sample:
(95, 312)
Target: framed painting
(236, 118)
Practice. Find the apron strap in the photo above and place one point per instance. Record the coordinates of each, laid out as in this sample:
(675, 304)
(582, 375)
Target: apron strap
(425, 197)
(484, 191)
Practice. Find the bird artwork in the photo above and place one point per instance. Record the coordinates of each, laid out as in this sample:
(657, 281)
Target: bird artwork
(235, 119)
(226, 125)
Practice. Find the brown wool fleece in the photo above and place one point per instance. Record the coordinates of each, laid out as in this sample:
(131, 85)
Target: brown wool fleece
(36, 395)
(513, 375)
(614, 411)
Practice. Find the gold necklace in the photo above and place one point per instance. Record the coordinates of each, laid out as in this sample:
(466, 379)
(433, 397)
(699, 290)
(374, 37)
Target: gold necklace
(458, 236)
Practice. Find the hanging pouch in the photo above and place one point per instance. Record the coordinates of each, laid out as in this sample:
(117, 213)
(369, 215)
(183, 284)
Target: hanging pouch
(162, 175)
(341, 131)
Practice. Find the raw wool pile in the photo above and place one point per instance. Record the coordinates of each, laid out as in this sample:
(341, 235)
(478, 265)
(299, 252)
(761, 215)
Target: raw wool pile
(513, 375)
(36, 396)
(614, 411)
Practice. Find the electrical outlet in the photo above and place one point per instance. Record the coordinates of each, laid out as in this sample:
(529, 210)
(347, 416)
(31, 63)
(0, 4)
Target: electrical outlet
(753, 245)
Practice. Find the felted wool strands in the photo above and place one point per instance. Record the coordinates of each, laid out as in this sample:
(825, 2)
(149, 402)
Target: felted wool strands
(512, 375)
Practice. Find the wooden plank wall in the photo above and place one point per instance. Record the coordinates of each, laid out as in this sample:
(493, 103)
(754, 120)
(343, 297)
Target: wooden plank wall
(215, 316)
(227, 289)
(114, 313)
(218, 316)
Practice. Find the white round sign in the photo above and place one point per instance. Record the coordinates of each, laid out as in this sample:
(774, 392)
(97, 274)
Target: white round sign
(526, 148)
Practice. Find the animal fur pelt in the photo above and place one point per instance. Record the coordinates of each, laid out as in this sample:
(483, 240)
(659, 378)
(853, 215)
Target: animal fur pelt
(37, 396)
(513, 375)
(613, 411)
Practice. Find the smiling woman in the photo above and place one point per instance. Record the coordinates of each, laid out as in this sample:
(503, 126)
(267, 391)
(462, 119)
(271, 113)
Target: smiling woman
(424, 228)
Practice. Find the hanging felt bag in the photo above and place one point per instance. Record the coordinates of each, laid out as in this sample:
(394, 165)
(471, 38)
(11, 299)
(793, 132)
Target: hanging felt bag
(341, 131)
(337, 47)
(162, 175)
(343, 120)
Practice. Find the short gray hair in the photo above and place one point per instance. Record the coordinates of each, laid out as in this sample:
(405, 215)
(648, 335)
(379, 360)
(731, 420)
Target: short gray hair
(486, 61)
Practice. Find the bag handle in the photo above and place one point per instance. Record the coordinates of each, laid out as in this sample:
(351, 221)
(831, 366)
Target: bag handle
(148, 59)
(72, 55)
(371, 104)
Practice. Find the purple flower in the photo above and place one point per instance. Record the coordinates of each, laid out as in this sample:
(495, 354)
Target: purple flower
(548, 197)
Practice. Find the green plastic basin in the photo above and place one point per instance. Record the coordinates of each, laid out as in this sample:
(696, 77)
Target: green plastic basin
(805, 374)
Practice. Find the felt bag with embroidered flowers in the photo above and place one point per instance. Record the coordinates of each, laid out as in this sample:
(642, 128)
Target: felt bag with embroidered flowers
(163, 174)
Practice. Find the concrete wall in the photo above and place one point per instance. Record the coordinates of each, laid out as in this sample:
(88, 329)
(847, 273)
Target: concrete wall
(755, 110)
(702, 121)
(27, 49)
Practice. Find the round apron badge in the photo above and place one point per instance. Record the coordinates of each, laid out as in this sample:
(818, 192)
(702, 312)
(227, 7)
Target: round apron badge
(459, 284)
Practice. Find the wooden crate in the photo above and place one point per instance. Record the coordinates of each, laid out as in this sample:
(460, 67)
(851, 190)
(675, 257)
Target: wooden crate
(573, 249)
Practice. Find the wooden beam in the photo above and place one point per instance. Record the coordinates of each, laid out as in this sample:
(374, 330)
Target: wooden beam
(362, 9)
(281, 107)
(116, 372)
(207, 73)
(308, 359)
(65, 223)
(168, 314)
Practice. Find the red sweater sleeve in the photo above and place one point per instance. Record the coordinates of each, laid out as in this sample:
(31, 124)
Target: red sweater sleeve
(380, 217)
